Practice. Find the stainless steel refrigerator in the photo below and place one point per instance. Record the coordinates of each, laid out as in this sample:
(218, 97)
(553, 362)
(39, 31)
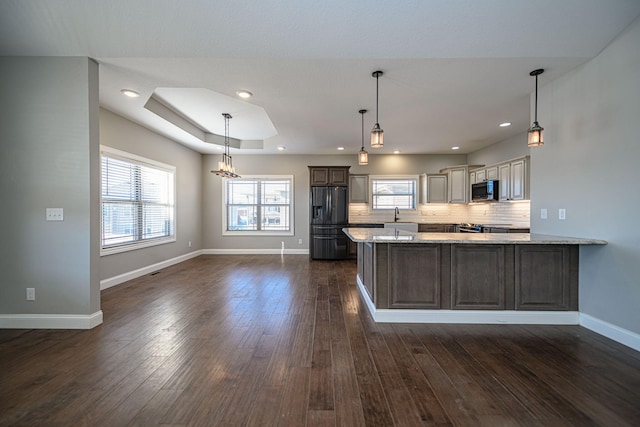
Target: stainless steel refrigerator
(329, 214)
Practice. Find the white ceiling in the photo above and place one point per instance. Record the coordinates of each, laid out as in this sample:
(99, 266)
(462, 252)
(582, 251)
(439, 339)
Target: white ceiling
(453, 69)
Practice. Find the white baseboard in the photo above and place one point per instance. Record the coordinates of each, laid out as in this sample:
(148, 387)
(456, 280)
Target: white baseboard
(121, 278)
(50, 321)
(255, 252)
(488, 317)
(611, 331)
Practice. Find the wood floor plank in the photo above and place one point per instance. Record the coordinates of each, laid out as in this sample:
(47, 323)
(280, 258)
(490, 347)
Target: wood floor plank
(266, 340)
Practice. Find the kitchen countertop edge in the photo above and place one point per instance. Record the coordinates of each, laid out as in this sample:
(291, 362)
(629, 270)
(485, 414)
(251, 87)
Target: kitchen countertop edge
(391, 235)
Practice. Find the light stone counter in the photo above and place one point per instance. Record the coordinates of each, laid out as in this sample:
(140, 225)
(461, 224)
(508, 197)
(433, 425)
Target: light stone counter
(390, 235)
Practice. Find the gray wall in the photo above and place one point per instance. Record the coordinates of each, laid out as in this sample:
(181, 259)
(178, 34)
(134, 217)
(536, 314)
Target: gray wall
(120, 133)
(508, 149)
(589, 166)
(49, 158)
(297, 166)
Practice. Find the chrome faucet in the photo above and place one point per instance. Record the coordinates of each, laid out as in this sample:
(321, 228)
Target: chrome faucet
(395, 216)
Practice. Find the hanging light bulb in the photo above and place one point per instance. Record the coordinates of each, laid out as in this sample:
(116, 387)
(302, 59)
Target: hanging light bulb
(363, 156)
(225, 166)
(377, 132)
(535, 138)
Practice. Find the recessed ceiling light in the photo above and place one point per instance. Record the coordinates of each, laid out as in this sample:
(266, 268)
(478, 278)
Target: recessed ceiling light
(505, 124)
(455, 148)
(340, 148)
(396, 152)
(130, 93)
(281, 148)
(244, 94)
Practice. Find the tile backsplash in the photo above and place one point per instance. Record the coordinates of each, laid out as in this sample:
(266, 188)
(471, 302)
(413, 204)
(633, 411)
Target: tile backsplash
(513, 213)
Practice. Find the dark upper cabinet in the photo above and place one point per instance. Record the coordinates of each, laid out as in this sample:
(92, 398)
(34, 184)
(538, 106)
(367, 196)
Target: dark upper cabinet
(329, 175)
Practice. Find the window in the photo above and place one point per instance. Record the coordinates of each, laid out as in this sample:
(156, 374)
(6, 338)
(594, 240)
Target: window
(138, 208)
(259, 205)
(392, 192)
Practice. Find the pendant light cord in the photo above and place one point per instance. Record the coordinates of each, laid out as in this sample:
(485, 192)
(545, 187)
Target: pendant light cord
(377, 77)
(536, 113)
(362, 115)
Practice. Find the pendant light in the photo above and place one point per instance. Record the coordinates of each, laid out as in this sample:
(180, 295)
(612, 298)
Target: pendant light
(225, 167)
(376, 132)
(535, 137)
(363, 156)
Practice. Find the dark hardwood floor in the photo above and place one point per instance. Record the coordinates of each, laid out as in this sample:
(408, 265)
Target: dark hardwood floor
(267, 340)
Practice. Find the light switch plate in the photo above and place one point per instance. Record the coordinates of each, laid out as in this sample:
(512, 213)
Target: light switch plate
(562, 213)
(543, 213)
(55, 214)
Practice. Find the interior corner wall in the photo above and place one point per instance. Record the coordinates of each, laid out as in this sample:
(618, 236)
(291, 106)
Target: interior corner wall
(589, 166)
(122, 134)
(48, 129)
(510, 148)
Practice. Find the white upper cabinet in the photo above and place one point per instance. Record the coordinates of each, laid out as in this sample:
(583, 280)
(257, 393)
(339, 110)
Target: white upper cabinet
(514, 177)
(457, 180)
(504, 175)
(519, 180)
(437, 188)
(491, 173)
(358, 188)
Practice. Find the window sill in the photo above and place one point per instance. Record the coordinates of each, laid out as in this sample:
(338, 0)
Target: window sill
(135, 246)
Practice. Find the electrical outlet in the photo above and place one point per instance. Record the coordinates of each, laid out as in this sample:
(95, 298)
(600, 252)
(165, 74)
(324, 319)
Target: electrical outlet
(299, 241)
(189, 243)
(562, 214)
(55, 214)
(31, 294)
(543, 213)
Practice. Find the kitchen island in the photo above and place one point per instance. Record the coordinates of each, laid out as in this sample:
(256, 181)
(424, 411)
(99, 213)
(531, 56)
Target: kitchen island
(468, 277)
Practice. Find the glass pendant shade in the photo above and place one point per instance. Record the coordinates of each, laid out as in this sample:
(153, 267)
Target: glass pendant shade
(535, 135)
(363, 157)
(377, 137)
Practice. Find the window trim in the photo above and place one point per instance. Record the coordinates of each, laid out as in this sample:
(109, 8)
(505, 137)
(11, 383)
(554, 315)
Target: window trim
(143, 161)
(415, 178)
(291, 232)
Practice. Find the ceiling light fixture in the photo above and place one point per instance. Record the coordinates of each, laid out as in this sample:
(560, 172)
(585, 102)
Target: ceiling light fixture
(396, 152)
(340, 148)
(455, 148)
(225, 167)
(377, 132)
(535, 136)
(505, 124)
(363, 156)
(244, 94)
(281, 148)
(130, 93)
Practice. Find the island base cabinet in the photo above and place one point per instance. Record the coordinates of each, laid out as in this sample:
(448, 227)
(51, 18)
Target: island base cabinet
(547, 277)
(482, 277)
(420, 276)
(470, 276)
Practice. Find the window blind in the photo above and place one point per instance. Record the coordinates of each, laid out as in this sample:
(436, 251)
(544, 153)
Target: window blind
(137, 201)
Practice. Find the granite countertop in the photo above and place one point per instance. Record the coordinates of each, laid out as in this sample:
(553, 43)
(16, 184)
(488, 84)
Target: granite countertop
(392, 235)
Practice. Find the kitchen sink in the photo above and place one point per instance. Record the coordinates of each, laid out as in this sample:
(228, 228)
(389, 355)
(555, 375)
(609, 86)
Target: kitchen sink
(405, 226)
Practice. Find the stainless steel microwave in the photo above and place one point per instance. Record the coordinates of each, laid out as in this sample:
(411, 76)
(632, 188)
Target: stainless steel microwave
(485, 191)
